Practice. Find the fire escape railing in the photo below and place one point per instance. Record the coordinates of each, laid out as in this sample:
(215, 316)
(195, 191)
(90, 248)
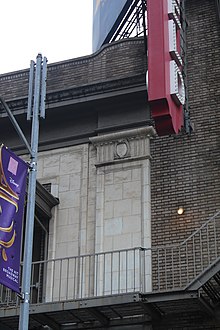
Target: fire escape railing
(163, 268)
(176, 266)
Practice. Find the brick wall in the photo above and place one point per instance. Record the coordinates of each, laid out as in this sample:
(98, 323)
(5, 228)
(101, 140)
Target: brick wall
(116, 61)
(185, 168)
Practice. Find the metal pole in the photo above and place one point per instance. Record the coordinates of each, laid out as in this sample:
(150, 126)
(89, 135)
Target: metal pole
(43, 88)
(30, 90)
(26, 276)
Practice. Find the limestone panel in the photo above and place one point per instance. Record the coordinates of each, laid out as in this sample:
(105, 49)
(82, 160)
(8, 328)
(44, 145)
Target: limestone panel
(123, 204)
(67, 170)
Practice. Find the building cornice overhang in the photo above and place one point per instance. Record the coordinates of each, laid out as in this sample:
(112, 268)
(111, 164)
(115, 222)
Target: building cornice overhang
(94, 91)
(82, 93)
(148, 131)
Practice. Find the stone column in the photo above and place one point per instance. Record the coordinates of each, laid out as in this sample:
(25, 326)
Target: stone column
(123, 210)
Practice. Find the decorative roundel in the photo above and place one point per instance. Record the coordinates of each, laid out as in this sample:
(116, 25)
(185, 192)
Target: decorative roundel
(121, 149)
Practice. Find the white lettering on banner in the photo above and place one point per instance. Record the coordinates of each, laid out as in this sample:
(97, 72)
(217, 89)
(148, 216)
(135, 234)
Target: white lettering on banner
(11, 274)
(177, 89)
(13, 182)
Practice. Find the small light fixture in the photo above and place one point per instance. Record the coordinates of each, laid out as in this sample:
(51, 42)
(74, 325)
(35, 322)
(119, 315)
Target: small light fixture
(180, 210)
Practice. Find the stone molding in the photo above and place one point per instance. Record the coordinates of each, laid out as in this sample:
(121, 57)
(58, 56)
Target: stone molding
(74, 93)
(123, 146)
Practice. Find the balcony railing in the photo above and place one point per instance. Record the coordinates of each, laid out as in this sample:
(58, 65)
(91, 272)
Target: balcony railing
(86, 276)
(144, 270)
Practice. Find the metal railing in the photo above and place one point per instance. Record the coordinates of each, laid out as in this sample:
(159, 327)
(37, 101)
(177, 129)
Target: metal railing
(162, 268)
(85, 276)
(176, 266)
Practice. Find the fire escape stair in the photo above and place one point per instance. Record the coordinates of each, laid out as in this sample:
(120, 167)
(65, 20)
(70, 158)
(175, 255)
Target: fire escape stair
(208, 283)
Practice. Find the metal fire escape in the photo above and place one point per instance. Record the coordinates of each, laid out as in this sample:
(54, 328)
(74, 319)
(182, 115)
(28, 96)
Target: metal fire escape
(84, 291)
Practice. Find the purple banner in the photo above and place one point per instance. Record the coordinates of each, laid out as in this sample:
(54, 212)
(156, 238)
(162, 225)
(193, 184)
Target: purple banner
(13, 175)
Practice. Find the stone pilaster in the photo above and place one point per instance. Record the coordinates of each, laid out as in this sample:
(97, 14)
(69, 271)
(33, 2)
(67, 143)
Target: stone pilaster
(123, 203)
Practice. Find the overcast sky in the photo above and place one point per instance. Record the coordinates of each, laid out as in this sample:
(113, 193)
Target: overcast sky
(59, 30)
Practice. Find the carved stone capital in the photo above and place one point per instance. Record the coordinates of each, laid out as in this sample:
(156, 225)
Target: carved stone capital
(123, 146)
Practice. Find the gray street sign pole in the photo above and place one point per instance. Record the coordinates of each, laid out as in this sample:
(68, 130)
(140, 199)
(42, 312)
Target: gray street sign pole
(34, 111)
(38, 109)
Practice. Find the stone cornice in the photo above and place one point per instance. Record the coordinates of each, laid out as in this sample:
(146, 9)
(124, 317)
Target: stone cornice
(148, 131)
(95, 89)
(19, 105)
(123, 146)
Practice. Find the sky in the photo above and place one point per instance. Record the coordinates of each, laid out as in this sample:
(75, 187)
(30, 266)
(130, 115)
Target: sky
(59, 30)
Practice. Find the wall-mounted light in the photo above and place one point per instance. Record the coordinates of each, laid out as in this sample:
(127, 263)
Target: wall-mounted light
(180, 210)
